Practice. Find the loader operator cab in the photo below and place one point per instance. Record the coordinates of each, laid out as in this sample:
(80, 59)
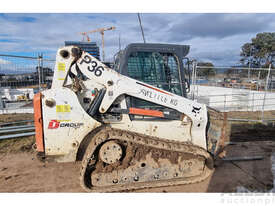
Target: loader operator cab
(161, 65)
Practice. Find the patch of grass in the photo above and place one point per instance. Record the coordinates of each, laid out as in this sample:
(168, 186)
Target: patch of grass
(251, 131)
(15, 145)
(4, 118)
(256, 115)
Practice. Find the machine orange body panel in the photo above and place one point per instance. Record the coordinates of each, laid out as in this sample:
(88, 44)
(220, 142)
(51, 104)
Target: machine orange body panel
(146, 112)
(38, 122)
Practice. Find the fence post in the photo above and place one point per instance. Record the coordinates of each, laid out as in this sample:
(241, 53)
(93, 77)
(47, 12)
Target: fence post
(196, 76)
(253, 102)
(42, 72)
(224, 103)
(39, 72)
(266, 86)
(1, 102)
(248, 101)
(193, 79)
(197, 91)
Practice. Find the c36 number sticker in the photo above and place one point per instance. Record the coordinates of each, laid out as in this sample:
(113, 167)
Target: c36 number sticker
(93, 67)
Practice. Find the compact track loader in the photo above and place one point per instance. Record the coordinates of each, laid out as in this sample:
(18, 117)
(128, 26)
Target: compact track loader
(132, 126)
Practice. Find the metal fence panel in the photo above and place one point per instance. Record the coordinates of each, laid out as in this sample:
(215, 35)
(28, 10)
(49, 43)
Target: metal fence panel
(233, 89)
(20, 78)
(229, 89)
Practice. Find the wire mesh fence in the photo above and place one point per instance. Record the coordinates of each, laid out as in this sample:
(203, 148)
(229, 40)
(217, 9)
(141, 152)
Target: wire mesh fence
(229, 89)
(249, 92)
(20, 78)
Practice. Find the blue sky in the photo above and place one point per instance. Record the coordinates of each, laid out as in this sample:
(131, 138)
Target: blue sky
(215, 37)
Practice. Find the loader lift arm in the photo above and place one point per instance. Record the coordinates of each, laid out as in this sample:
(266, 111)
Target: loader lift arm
(116, 85)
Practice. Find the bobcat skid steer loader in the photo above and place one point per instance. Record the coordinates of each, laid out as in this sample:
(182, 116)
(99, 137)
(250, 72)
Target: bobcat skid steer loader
(132, 126)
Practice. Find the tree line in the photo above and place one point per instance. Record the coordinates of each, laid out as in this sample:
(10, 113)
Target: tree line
(259, 53)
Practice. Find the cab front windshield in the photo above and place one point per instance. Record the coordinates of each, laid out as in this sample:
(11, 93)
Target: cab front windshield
(157, 69)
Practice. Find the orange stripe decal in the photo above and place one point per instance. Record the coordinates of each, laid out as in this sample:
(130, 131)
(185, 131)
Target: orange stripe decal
(145, 112)
(38, 122)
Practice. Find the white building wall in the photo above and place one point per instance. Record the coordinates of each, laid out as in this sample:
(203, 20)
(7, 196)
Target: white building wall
(231, 99)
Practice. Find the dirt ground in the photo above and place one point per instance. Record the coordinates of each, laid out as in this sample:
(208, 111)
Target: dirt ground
(21, 171)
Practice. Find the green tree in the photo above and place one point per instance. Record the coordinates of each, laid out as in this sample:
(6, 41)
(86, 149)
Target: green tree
(206, 70)
(260, 52)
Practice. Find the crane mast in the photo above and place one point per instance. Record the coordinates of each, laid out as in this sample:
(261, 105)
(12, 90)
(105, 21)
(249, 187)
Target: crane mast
(101, 31)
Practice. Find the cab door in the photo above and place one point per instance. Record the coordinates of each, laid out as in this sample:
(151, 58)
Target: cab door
(161, 70)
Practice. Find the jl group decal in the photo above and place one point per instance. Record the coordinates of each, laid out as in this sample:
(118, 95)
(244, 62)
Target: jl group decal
(54, 124)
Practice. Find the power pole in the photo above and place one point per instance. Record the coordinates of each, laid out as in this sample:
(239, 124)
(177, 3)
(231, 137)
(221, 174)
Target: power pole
(139, 19)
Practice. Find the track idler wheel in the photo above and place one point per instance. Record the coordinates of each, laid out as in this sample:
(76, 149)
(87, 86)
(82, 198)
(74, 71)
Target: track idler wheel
(110, 152)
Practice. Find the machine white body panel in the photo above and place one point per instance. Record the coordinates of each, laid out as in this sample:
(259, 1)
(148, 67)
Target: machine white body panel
(65, 124)
(75, 123)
